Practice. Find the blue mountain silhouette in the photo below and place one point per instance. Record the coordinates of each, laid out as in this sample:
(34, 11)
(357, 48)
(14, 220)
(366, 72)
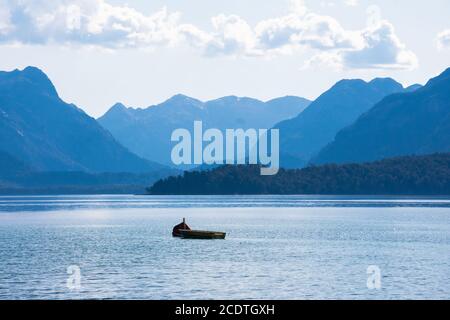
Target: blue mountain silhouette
(147, 131)
(47, 134)
(302, 137)
(411, 123)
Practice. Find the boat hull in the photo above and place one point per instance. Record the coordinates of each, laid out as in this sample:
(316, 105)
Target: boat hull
(203, 235)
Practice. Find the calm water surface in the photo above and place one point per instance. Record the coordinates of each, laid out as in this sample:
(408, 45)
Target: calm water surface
(278, 247)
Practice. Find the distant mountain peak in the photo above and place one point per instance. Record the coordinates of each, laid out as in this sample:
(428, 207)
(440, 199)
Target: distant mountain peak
(30, 77)
(443, 77)
(349, 81)
(375, 82)
(337, 108)
(180, 101)
(290, 99)
(413, 122)
(118, 111)
(386, 84)
(225, 100)
(34, 70)
(118, 107)
(383, 84)
(233, 100)
(382, 80)
(148, 132)
(181, 98)
(36, 74)
(231, 97)
(48, 134)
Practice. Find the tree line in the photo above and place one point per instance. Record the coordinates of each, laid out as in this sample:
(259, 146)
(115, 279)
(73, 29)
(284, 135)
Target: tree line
(410, 175)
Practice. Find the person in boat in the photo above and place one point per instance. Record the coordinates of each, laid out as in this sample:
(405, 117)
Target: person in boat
(178, 227)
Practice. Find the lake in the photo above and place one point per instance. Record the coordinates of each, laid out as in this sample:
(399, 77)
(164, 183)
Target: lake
(277, 247)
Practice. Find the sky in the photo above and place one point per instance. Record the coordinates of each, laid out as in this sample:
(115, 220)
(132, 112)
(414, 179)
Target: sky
(141, 52)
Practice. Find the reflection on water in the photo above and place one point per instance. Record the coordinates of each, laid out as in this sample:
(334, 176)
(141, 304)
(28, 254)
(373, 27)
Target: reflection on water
(278, 247)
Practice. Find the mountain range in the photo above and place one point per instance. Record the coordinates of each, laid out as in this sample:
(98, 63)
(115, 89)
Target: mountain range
(138, 129)
(48, 145)
(305, 135)
(47, 134)
(412, 123)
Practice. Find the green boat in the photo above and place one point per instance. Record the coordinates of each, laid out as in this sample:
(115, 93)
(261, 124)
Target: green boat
(198, 234)
(183, 231)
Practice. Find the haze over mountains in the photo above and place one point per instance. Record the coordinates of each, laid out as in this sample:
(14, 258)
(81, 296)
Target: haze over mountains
(147, 131)
(304, 136)
(402, 124)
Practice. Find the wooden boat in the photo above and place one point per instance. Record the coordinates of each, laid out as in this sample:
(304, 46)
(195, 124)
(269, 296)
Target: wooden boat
(182, 230)
(199, 234)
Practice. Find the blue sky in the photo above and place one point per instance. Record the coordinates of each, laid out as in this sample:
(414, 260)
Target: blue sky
(98, 52)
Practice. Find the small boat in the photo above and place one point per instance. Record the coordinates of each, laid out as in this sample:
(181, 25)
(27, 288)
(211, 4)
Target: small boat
(183, 231)
(198, 234)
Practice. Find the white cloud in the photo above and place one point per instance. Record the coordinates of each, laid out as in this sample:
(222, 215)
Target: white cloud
(98, 23)
(443, 39)
(376, 46)
(311, 30)
(93, 22)
(379, 48)
(195, 36)
(298, 29)
(382, 50)
(232, 35)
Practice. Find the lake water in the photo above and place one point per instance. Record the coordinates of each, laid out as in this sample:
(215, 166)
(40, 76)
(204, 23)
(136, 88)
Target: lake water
(277, 247)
